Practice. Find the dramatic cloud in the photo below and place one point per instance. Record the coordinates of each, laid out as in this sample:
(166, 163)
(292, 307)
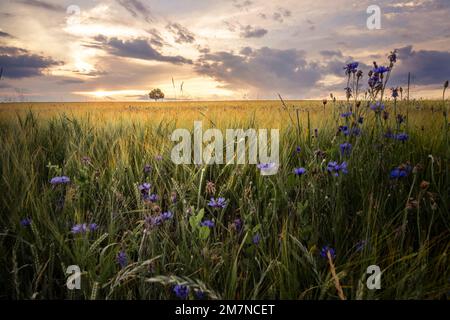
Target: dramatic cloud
(42, 5)
(19, 63)
(5, 35)
(264, 69)
(426, 66)
(182, 34)
(137, 49)
(136, 8)
(156, 39)
(252, 32)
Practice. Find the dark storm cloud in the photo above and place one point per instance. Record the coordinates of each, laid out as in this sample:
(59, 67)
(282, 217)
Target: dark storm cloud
(42, 5)
(136, 8)
(137, 49)
(427, 66)
(252, 32)
(19, 63)
(182, 35)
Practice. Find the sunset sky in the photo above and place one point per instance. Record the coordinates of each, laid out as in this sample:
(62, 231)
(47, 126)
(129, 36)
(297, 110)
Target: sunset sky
(82, 50)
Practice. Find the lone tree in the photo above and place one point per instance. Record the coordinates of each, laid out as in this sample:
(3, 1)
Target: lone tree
(156, 94)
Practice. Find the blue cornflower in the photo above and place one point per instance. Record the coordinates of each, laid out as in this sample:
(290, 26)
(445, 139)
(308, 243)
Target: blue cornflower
(79, 228)
(122, 259)
(324, 252)
(346, 114)
(147, 168)
(219, 203)
(374, 81)
(377, 107)
(344, 130)
(403, 137)
(60, 180)
(145, 188)
(351, 67)
(400, 172)
(25, 222)
(381, 70)
(334, 168)
(154, 221)
(346, 148)
(298, 149)
(238, 224)
(151, 198)
(356, 131)
(93, 226)
(256, 238)
(182, 292)
(299, 171)
(200, 294)
(394, 93)
(208, 223)
(166, 215)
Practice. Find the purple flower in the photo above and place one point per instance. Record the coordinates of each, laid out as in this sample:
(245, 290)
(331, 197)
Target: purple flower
(219, 203)
(381, 70)
(346, 114)
(238, 224)
(403, 137)
(166, 215)
(394, 93)
(25, 222)
(154, 221)
(299, 171)
(147, 168)
(208, 223)
(144, 188)
(256, 239)
(298, 149)
(400, 172)
(377, 107)
(344, 130)
(375, 81)
(60, 180)
(324, 252)
(182, 292)
(346, 148)
(351, 67)
(79, 228)
(334, 168)
(122, 259)
(200, 294)
(84, 227)
(151, 198)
